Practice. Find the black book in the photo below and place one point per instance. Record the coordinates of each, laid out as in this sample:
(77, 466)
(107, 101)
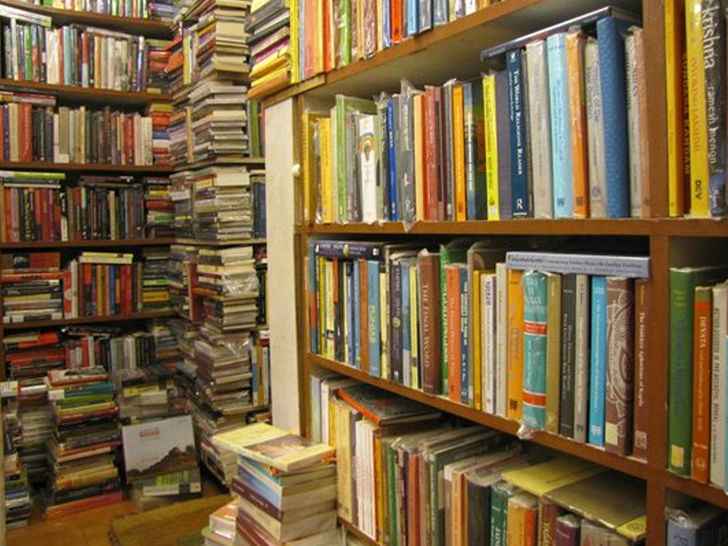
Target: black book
(395, 322)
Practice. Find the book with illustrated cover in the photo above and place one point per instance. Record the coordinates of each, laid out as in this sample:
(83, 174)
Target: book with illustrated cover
(384, 408)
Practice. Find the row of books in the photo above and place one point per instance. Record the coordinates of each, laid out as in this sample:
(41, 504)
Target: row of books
(74, 135)
(405, 476)
(326, 35)
(270, 47)
(140, 9)
(535, 337)
(76, 55)
(94, 284)
(38, 206)
(697, 399)
(695, 37)
(519, 142)
(284, 487)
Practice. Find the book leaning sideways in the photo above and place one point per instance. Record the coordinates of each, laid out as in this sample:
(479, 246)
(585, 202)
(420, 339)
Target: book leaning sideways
(274, 447)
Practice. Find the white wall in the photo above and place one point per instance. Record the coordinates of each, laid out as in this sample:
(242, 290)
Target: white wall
(281, 218)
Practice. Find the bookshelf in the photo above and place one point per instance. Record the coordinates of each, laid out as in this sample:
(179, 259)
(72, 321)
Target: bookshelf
(427, 58)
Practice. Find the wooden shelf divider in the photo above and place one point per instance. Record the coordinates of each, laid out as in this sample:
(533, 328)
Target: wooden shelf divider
(143, 315)
(73, 93)
(95, 243)
(84, 167)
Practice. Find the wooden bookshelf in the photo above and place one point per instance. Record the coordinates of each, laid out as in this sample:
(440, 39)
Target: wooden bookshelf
(132, 25)
(92, 243)
(86, 95)
(628, 465)
(143, 315)
(85, 167)
(708, 493)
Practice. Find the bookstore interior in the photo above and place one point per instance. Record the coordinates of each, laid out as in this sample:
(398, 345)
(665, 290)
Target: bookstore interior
(364, 272)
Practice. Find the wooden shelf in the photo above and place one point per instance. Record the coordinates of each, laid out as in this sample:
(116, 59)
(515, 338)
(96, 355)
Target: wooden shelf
(354, 530)
(144, 315)
(708, 493)
(132, 25)
(84, 167)
(86, 95)
(627, 465)
(234, 242)
(95, 243)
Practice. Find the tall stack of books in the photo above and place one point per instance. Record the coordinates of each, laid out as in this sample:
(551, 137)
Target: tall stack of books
(155, 293)
(303, 477)
(270, 47)
(158, 55)
(162, 10)
(182, 260)
(159, 207)
(161, 462)
(161, 113)
(166, 351)
(84, 443)
(257, 183)
(223, 205)
(17, 488)
(182, 199)
(32, 286)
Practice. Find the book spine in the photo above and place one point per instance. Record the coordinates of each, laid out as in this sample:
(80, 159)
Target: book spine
(598, 360)
(581, 359)
(406, 331)
(453, 332)
(641, 415)
(356, 315)
(595, 131)
(577, 115)
(535, 312)
(448, 155)
(491, 147)
(515, 345)
(560, 127)
(367, 168)
(459, 203)
(430, 351)
(395, 335)
(405, 138)
(505, 190)
(568, 343)
(393, 170)
(385, 321)
(520, 202)
(539, 127)
(466, 391)
(718, 385)
(620, 366)
(501, 328)
(612, 74)
(553, 352)
(476, 361)
(633, 127)
(674, 38)
(702, 329)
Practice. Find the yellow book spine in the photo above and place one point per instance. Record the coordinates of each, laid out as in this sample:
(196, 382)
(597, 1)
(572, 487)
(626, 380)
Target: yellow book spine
(458, 137)
(516, 522)
(491, 147)
(515, 345)
(699, 202)
(294, 42)
(327, 206)
(577, 108)
(418, 101)
(475, 367)
(674, 100)
(308, 162)
(414, 319)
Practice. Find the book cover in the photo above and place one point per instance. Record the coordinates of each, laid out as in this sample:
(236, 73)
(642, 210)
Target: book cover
(581, 359)
(458, 154)
(430, 321)
(367, 161)
(503, 129)
(452, 327)
(491, 147)
(520, 198)
(674, 29)
(488, 342)
(534, 351)
(475, 150)
(702, 346)
(719, 323)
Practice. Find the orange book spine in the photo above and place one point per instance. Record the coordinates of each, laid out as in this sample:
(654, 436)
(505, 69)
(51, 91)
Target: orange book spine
(458, 137)
(515, 345)
(577, 110)
(395, 11)
(327, 45)
(453, 331)
(530, 531)
(702, 355)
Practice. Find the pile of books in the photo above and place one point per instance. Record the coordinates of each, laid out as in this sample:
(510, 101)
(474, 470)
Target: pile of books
(83, 448)
(17, 503)
(477, 485)
(161, 113)
(162, 10)
(122, 67)
(270, 47)
(511, 144)
(222, 204)
(159, 206)
(490, 328)
(257, 183)
(32, 286)
(42, 132)
(221, 531)
(154, 292)
(181, 269)
(166, 352)
(161, 462)
(180, 128)
(182, 200)
(158, 55)
(302, 474)
(698, 523)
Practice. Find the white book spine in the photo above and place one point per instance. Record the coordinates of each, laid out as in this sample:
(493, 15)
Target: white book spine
(488, 341)
(367, 168)
(501, 314)
(540, 128)
(718, 386)
(324, 409)
(595, 131)
(582, 337)
(633, 129)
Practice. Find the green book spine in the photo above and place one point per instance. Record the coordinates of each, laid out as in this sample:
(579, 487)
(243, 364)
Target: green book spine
(447, 256)
(345, 30)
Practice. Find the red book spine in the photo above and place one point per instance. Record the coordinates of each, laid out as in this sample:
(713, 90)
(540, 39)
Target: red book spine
(86, 304)
(25, 132)
(702, 359)
(8, 214)
(126, 289)
(129, 140)
(395, 10)
(328, 57)
(453, 332)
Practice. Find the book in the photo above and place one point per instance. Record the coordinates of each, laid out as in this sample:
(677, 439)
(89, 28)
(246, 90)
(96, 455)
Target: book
(385, 409)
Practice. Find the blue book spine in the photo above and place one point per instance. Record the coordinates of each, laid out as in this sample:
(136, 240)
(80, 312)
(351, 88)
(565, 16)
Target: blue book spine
(465, 393)
(534, 350)
(439, 12)
(406, 330)
(425, 15)
(598, 364)
(614, 114)
(563, 190)
(374, 328)
(392, 145)
(386, 25)
(356, 312)
(349, 294)
(413, 17)
(519, 176)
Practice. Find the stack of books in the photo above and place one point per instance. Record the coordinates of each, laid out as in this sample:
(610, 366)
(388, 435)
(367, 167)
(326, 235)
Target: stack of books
(182, 200)
(17, 489)
(270, 47)
(460, 322)
(162, 10)
(166, 352)
(161, 462)
(24, 221)
(83, 448)
(285, 486)
(181, 268)
(70, 65)
(32, 286)
(180, 128)
(158, 55)
(161, 113)
(221, 531)
(154, 292)
(222, 204)
(29, 355)
(257, 183)
(159, 206)
(698, 523)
